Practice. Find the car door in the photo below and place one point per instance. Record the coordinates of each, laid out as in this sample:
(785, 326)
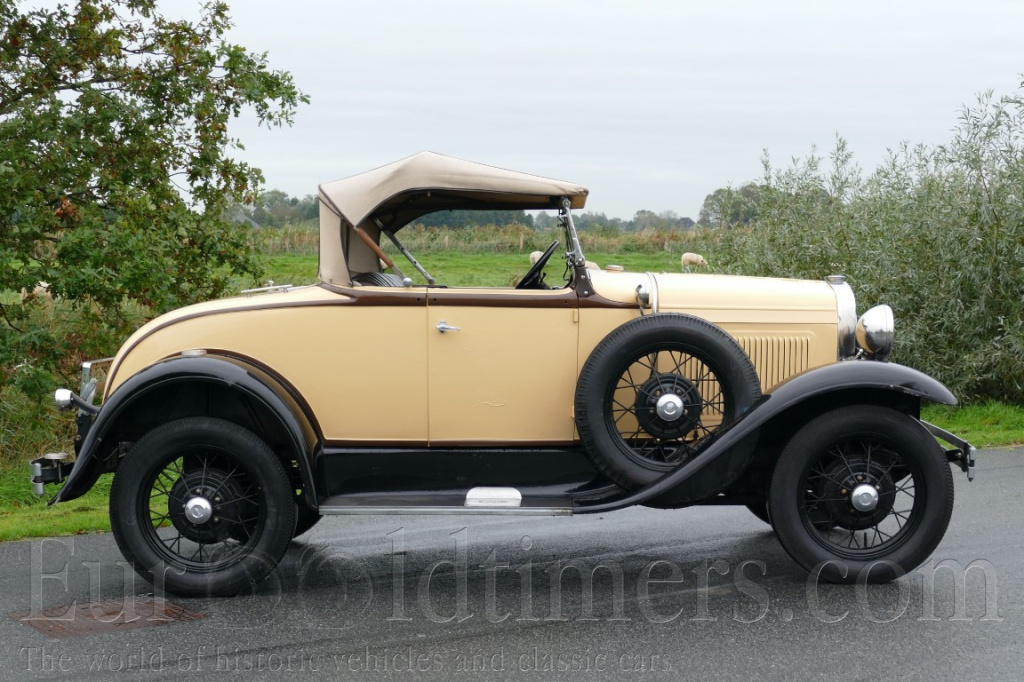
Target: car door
(502, 366)
(369, 364)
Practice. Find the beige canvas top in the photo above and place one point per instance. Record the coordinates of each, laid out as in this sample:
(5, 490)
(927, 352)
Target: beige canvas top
(398, 193)
(403, 189)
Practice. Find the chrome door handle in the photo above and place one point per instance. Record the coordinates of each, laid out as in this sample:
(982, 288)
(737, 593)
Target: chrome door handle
(443, 327)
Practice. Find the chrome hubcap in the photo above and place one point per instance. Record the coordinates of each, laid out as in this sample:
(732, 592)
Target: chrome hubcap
(198, 510)
(670, 407)
(864, 498)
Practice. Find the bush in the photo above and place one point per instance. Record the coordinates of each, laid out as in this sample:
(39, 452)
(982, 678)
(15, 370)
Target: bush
(42, 345)
(936, 232)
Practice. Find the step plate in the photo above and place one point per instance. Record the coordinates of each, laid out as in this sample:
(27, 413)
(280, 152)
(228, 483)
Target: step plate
(440, 503)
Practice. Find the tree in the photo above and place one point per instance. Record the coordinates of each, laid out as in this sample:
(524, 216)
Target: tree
(544, 221)
(471, 218)
(728, 207)
(275, 208)
(116, 162)
(647, 220)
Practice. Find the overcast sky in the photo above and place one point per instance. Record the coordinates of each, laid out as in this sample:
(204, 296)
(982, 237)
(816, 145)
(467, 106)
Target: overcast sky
(650, 105)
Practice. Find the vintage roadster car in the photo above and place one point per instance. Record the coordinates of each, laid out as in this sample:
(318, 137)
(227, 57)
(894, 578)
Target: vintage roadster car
(232, 426)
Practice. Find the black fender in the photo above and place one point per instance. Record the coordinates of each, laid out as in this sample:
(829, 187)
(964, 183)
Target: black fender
(830, 385)
(241, 375)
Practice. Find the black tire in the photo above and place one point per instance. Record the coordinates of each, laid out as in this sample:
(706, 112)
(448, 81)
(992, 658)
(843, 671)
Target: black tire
(251, 514)
(305, 518)
(760, 510)
(812, 489)
(640, 363)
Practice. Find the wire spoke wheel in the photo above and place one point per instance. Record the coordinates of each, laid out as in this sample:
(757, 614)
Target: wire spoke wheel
(655, 393)
(666, 406)
(861, 493)
(860, 498)
(203, 507)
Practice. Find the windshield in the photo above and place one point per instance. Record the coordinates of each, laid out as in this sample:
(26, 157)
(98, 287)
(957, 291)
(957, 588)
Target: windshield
(477, 249)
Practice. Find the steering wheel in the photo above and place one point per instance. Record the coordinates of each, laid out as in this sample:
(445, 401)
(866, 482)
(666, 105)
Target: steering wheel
(534, 277)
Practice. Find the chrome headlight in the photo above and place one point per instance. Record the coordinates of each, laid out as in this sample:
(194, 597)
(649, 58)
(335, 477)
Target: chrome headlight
(63, 398)
(876, 330)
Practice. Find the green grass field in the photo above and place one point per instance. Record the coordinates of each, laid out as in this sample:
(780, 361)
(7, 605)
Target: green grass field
(470, 269)
(22, 515)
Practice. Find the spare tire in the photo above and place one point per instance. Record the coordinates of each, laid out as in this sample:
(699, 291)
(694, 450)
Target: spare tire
(656, 391)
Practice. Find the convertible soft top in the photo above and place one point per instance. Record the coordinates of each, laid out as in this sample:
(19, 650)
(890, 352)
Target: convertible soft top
(392, 196)
(428, 182)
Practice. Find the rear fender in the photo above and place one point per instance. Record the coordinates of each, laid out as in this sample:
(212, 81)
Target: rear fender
(263, 394)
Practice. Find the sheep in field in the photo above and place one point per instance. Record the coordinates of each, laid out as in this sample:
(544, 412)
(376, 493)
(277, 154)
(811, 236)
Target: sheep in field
(689, 259)
(535, 256)
(591, 265)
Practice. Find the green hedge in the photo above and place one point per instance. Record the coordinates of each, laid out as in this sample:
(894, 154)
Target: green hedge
(936, 232)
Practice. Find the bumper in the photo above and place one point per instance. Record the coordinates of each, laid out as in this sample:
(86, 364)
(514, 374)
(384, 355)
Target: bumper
(53, 467)
(962, 453)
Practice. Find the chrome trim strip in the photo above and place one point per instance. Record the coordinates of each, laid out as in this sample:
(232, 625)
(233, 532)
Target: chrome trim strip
(655, 296)
(266, 290)
(846, 308)
(491, 511)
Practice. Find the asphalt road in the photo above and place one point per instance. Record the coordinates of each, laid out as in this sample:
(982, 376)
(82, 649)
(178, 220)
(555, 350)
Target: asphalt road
(699, 594)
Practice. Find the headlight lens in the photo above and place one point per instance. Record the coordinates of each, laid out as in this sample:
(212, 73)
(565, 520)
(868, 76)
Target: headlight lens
(62, 397)
(876, 330)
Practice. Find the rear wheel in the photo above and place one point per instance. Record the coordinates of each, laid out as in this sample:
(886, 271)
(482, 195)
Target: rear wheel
(202, 507)
(861, 493)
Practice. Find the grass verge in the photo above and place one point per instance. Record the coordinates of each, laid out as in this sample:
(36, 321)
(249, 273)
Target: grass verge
(23, 515)
(986, 425)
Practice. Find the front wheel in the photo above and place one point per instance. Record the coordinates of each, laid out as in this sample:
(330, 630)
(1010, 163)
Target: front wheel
(202, 507)
(861, 493)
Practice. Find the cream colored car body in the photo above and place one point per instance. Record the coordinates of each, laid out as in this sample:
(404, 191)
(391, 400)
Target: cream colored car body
(507, 376)
(233, 426)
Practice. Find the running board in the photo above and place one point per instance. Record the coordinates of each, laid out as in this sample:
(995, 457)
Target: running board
(482, 500)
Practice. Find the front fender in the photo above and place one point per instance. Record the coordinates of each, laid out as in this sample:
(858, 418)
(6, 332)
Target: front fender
(830, 384)
(860, 374)
(240, 375)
